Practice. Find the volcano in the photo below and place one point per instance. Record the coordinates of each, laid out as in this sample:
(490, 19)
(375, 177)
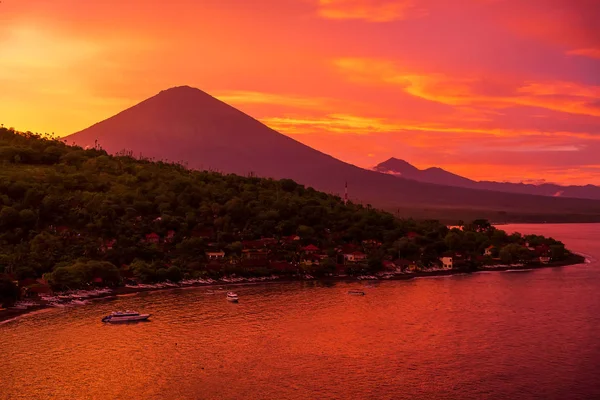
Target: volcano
(187, 125)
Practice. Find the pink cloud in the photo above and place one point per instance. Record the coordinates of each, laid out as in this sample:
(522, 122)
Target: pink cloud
(369, 10)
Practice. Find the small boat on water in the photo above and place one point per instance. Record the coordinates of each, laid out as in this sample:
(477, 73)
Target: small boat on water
(125, 316)
(233, 297)
(356, 292)
(79, 302)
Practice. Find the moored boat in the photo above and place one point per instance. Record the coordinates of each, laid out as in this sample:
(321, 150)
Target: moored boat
(356, 292)
(125, 316)
(233, 297)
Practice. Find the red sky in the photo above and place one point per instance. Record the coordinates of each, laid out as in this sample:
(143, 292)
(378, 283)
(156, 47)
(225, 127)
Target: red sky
(491, 89)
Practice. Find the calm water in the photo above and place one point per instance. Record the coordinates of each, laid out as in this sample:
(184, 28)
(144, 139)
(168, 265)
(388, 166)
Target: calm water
(520, 335)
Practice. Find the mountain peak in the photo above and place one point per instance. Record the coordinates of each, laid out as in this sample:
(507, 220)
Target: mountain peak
(397, 166)
(185, 94)
(182, 89)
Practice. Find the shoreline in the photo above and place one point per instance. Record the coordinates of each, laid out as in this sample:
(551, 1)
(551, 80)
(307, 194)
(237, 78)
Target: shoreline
(7, 315)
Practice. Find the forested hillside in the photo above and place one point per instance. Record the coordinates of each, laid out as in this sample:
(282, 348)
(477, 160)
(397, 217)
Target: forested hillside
(61, 203)
(81, 216)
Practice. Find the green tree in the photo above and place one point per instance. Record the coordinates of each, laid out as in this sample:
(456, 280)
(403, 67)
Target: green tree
(513, 253)
(558, 252)
(9, 292)
(453, 241)
(9, 217)
(174, 274)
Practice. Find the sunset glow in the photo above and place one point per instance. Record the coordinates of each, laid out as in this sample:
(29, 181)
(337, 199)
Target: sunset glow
(505, 90)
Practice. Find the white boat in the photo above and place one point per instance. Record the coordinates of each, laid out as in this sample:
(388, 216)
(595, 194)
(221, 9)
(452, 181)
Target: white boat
(125, 316)
(232, 297)
(79, 302)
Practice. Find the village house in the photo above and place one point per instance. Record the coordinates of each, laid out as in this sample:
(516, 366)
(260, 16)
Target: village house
(311, 259)
(544, 259)
(170, 236)
(108, 245)
(412, 267)
(356, 256)
(542, 250)
(215, 255)
(310, 249)
(447, 262)
(389, 266)
(489, 251)
(152, 238)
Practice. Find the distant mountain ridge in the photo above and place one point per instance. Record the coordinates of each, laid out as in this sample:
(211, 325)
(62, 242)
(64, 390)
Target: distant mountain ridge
(439, 176)
(188, 125)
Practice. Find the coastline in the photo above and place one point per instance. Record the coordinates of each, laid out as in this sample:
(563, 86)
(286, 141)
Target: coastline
(7, 315)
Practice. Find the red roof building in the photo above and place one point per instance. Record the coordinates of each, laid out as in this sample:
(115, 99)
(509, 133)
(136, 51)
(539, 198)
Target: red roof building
(311, 248)
(389, 265)
(356, 256)
(542, 250)
(152, 238)
(170, 236)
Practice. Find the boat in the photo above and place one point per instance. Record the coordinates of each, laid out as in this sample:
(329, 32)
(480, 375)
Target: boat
(79, 302)
(356, 292)
(125, 316)
(232, 297)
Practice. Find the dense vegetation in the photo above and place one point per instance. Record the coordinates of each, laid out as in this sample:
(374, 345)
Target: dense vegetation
(78, 216)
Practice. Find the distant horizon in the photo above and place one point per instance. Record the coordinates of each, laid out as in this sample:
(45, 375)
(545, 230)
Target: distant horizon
(500, 90)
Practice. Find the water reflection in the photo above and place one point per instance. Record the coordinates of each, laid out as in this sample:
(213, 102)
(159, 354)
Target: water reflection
(496, 335)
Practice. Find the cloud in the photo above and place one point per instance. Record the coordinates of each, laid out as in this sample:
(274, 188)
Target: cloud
(369, 10)
(334, 123)
(253, 97)
(568, 97)
(569, 23)
(590, 52)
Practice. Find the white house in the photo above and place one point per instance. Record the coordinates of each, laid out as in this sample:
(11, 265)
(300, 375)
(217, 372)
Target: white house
(215, 255)
(447, 262)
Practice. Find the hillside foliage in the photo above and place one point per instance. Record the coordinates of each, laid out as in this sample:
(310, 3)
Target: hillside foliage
(79, 215)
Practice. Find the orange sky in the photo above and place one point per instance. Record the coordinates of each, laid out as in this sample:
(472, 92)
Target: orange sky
(491, 89)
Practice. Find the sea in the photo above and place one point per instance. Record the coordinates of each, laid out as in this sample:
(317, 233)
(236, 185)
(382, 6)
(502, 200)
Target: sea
(494, 335)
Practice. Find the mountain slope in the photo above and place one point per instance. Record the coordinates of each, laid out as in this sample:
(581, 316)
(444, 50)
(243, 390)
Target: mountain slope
(439, 176)
(189, 125)
(433, 175)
